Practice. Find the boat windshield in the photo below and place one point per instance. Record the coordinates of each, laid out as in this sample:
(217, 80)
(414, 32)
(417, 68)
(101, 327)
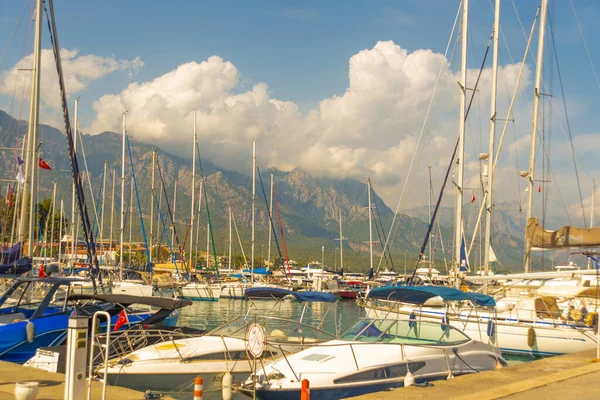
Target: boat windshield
(406, 332)
(276, 329)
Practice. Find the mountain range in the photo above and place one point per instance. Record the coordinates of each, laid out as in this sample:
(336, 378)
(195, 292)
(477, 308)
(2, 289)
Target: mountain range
(309, 207)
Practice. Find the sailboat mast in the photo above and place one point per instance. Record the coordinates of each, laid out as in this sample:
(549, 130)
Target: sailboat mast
(592, 213)
(430, 235)
(28, 198)
(460, 159)
(270, 219)
(193, 192)
(253, 196)
(534, 123)
(73, 193)
(341, 244)
(487, 242)
(112, 213)
(102, 211)
(370, 227)
(60, 226)
(152, 207)
(121, 248)
(229, 258)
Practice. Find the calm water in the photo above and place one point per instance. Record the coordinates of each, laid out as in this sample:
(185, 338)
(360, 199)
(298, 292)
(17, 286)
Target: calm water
(209, 315)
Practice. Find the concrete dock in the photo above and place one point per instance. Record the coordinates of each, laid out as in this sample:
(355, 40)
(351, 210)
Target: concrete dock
(52, 385)
(572, 376)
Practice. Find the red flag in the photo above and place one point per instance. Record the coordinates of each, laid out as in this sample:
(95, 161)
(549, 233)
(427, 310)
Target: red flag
(43, 164)
(473, 198)
(122, 320)
(539, 189)
(42, 273)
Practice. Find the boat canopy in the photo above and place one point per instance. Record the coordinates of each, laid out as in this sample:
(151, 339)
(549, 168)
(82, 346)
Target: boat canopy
(565, 237)
(257, 271)
(278, 293)
(420, 294)
(126, 300)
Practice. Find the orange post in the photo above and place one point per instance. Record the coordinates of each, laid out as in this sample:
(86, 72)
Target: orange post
(305, 391)
(198, 388)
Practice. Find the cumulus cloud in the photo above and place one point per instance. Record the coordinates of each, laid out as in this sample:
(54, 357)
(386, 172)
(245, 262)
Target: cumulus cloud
(370, 130)
(78, 70)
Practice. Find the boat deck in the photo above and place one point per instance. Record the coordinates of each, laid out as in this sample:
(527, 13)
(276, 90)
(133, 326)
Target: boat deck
(569, 376)
(52, 385)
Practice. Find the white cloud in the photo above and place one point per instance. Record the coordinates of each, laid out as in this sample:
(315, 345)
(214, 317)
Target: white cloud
(370, 130)
(78, 70)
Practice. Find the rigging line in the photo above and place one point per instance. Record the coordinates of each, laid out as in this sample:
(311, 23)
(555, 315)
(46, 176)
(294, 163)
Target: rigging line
(169, 210)
(421, 134)
(173, 260)
(587, 50)
(382, 229)
(437, 205)
(139, 208)
(237, 232)
(568, 124)
(268, 210)
(210, 226)
(287, 260)
(89, 235)
(194, 203)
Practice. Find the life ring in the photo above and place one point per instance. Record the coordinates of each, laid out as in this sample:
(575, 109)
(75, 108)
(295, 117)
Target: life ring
(531, 337)
(575, 315)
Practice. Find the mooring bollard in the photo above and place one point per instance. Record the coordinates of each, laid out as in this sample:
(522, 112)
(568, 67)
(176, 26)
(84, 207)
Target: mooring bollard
(198, 388)
(305, 391)
(77, 337)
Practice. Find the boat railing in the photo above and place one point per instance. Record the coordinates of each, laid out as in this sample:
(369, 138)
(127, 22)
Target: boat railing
(125, 342)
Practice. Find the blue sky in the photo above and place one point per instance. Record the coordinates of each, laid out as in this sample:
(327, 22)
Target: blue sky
(301, 51)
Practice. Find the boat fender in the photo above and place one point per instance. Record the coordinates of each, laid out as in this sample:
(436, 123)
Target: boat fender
(227, 386)
(591, 319)
(491, 328)
(412, 319)
(30, 331)
(409, 379)
(531, 337)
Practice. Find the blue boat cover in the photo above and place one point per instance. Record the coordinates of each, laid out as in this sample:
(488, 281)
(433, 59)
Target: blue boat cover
(257, 271)
(278, 293)
(420, 294)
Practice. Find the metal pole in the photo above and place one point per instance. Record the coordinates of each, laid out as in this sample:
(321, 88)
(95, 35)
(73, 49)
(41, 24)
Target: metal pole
(193, 191)
(460, 159)
(269, 223)
(341, 244)
(29, 170)
(229, 263)
(174, 209)
(152, 207)
(75, 369)
(534, 123)
(124, 129)
(370, 226)
(51, 216)
(60, 226)
(112, 211)
(592, 213)
(487, 242)
(73, 191)
(253, 196)
(102, 211)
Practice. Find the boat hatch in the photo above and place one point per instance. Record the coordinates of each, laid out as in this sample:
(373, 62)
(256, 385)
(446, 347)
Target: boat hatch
(314, 357)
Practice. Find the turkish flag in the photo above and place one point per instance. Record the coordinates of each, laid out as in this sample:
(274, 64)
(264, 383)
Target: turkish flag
(42, 273)
(473, 198)
(122, 320)
(43, 164)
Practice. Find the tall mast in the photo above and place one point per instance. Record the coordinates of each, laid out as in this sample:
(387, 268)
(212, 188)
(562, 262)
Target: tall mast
(50, 218)
(121, 248)
(487, 242)
(207, 244)
(73, 193)
(152, 207)
(253, 195)
(198, 220)
(430, 236)
(112, 212)
(370, 228)
(461, 142)
(28, 198)
(269, 222)
(60, 226)
(534, 122)
(174, 209)
(229, 258)
(592, 214)
(102, 211)
(193, 191)
(341, 244)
